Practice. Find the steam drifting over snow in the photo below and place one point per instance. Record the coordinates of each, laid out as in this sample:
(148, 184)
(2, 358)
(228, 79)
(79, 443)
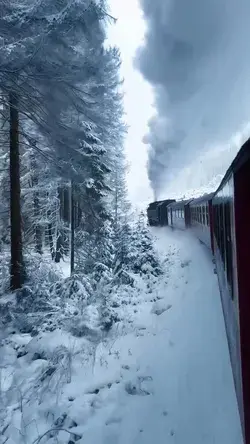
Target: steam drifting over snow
(196, 57)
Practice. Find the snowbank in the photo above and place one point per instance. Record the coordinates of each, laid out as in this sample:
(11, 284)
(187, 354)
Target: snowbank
(161, 375)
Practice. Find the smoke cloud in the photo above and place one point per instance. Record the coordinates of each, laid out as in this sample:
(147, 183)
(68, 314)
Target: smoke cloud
(197, 57)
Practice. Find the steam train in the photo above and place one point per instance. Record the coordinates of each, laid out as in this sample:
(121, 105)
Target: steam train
(221, 220)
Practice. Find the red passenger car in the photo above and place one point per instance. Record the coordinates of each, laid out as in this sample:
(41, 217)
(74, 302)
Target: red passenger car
(231, 237)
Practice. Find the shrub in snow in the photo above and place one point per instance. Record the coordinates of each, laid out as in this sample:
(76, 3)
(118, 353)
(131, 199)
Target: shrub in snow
(80, 329)
(40, 271)
(33, 299)
(108, 313)
(5, 313)
(135, 252)
(142, 256)
(101, 273)
(123, 240)
(122, 277)
(4, 273)
(78, 287)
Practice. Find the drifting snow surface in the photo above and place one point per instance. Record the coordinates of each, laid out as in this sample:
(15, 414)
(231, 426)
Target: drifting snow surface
(175, 369)
(164, 377)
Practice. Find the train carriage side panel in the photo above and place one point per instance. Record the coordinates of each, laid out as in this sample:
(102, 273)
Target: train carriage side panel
(231, 216)
(225, 260)
(201, 219)
(242, 230)
(179, 214)
(187, 214)
(163, 211)
(211, 224)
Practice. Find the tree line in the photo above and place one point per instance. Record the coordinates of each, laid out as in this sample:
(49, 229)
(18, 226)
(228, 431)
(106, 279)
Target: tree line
(62, 162)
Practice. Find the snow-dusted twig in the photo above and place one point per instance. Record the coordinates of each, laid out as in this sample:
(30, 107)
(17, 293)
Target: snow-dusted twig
(55, 429)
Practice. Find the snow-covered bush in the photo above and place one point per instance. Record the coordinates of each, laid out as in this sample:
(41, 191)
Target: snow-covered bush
(136, 252)
(108, 313)
(4, 273)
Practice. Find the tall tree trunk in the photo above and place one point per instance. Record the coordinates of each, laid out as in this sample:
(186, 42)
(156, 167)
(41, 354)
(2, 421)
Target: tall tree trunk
(36, 206)
(72, 237)
(16, 267)
(59, 245)
(38, 228)
(116, 200)
(51, 243)
(59, 231)
(49, 232)
(66, 218)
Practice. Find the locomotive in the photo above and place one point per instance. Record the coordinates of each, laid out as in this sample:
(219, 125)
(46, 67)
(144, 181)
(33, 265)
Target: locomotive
(220, 220)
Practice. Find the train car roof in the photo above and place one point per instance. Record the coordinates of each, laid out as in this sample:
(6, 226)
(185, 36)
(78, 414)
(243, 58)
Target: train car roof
(160, 202)
(242, 157)
(166, 202)
(204, 198)
(180, 203)
(154, 204)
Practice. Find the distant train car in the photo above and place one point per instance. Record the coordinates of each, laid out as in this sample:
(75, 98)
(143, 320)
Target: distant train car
(231, 237)
(157, 212)
(202, 219)
(179, 214)
(163, 211)
(152, 213)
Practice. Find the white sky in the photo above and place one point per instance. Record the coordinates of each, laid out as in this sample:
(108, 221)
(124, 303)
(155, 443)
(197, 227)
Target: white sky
(128, 34)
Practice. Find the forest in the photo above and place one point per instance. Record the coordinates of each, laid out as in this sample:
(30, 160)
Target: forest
(73, 253)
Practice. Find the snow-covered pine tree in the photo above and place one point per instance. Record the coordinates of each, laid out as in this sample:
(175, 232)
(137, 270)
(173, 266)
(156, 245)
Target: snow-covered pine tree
(142, 257)
(38, 39)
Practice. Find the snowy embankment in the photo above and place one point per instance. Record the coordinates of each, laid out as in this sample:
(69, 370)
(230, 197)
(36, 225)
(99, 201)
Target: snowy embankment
(161, 375)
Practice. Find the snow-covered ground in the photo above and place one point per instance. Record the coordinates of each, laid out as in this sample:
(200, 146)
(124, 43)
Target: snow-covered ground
(163, 377)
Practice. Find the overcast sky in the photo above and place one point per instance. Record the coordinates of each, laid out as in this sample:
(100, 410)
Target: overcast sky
(128, 34)
(195, 56)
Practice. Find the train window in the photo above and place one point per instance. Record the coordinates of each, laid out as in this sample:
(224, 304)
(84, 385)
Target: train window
(207, 216)
(228, 241)
(216, 224)
(221, 232)
(214, 209)
(216, 219)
